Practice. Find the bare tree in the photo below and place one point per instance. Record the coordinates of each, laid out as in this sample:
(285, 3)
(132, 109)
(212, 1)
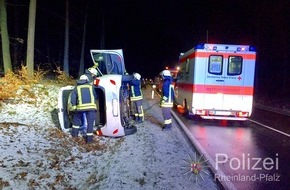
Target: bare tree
(82, 64)
(30, 38)
(5, 37)
(66, 41)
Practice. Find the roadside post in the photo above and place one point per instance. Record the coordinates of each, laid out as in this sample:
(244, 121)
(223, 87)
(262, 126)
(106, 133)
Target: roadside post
(152, 92)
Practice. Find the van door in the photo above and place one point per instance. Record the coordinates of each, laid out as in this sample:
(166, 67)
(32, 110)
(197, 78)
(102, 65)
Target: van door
(214, 82)
(64, 116)
(109, 61)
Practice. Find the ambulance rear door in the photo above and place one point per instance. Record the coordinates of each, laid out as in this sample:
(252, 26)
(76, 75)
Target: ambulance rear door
(233, 82)
(214, 81)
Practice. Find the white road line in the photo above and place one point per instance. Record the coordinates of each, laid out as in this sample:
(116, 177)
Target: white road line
(281, 132)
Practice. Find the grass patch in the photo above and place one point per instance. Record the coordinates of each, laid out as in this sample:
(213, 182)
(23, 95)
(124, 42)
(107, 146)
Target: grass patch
(18, 84)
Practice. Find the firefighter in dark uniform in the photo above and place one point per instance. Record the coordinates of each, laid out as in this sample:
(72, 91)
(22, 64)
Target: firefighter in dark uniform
(166, 102)
(92, 74)
(136, 97)
(83, 100)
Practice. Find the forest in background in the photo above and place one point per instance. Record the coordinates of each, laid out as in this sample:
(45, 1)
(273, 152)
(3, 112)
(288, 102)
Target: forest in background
(151, 34)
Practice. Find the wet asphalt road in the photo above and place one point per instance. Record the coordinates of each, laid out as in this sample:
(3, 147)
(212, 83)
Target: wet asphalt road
(251, 156)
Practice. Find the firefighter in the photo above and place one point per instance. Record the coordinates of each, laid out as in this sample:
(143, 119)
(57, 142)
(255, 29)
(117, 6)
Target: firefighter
(83, 100)
(136, 97)
(166, 102)
(92, 73)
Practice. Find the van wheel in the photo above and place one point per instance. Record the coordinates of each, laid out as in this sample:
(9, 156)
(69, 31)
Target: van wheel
(130, 130)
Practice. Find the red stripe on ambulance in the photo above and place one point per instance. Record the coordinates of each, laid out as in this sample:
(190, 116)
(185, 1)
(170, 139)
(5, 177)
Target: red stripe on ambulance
(213, 89)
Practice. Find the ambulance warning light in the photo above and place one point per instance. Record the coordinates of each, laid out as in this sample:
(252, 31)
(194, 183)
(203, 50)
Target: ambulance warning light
(201, 112)
(242, 114)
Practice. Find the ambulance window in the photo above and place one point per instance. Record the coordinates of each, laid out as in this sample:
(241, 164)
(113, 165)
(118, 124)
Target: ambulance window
(181, 71)
(215, 64)
(235, 65)
(187, 65)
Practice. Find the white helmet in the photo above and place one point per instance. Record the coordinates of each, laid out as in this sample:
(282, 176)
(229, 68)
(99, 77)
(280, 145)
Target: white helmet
(84, 77)
(93, 71)
(166, 73)
(137, 76)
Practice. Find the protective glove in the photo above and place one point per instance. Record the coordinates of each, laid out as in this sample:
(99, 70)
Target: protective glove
(96, 64)
(161, 102)
(72, 108)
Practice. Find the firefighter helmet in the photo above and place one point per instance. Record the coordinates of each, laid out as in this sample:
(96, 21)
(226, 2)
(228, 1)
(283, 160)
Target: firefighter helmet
(84, 77)
(93, 71)
(166, 73)
(137, 76)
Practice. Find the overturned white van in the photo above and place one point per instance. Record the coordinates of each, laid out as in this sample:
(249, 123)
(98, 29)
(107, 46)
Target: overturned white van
(113, 117)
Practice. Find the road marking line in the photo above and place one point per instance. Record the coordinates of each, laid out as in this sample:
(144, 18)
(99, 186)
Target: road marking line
(281, 132)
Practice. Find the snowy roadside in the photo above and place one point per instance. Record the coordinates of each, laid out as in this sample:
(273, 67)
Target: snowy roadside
(36, 155)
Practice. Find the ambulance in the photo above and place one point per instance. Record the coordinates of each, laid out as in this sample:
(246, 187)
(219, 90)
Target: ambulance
(216, 81)
(113, 117)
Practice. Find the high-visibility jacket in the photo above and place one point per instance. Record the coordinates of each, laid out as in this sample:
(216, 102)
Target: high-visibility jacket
(83, 97)
(136, 92)
(167, 97)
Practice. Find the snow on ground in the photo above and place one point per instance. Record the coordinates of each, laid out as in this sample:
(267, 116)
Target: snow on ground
(35, 154)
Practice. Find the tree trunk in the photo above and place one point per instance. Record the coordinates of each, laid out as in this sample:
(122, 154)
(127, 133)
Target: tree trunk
(16, 48)
(5, 38)
(82, 64)
(30, 38)
(66, 41)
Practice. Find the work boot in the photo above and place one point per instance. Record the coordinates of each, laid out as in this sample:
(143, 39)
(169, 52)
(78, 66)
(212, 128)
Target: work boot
(167, 127)
(75, 131)
(140, 120)
(89, 139)
(136, 119)
(83, 130)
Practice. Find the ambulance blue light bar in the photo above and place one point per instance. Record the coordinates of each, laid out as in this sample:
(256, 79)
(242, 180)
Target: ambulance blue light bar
(252, 48)
(199, 46)
(225, 47)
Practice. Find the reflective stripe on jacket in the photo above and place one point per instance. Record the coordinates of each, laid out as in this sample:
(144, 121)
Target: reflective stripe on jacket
(84, 97)
(136, 93)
